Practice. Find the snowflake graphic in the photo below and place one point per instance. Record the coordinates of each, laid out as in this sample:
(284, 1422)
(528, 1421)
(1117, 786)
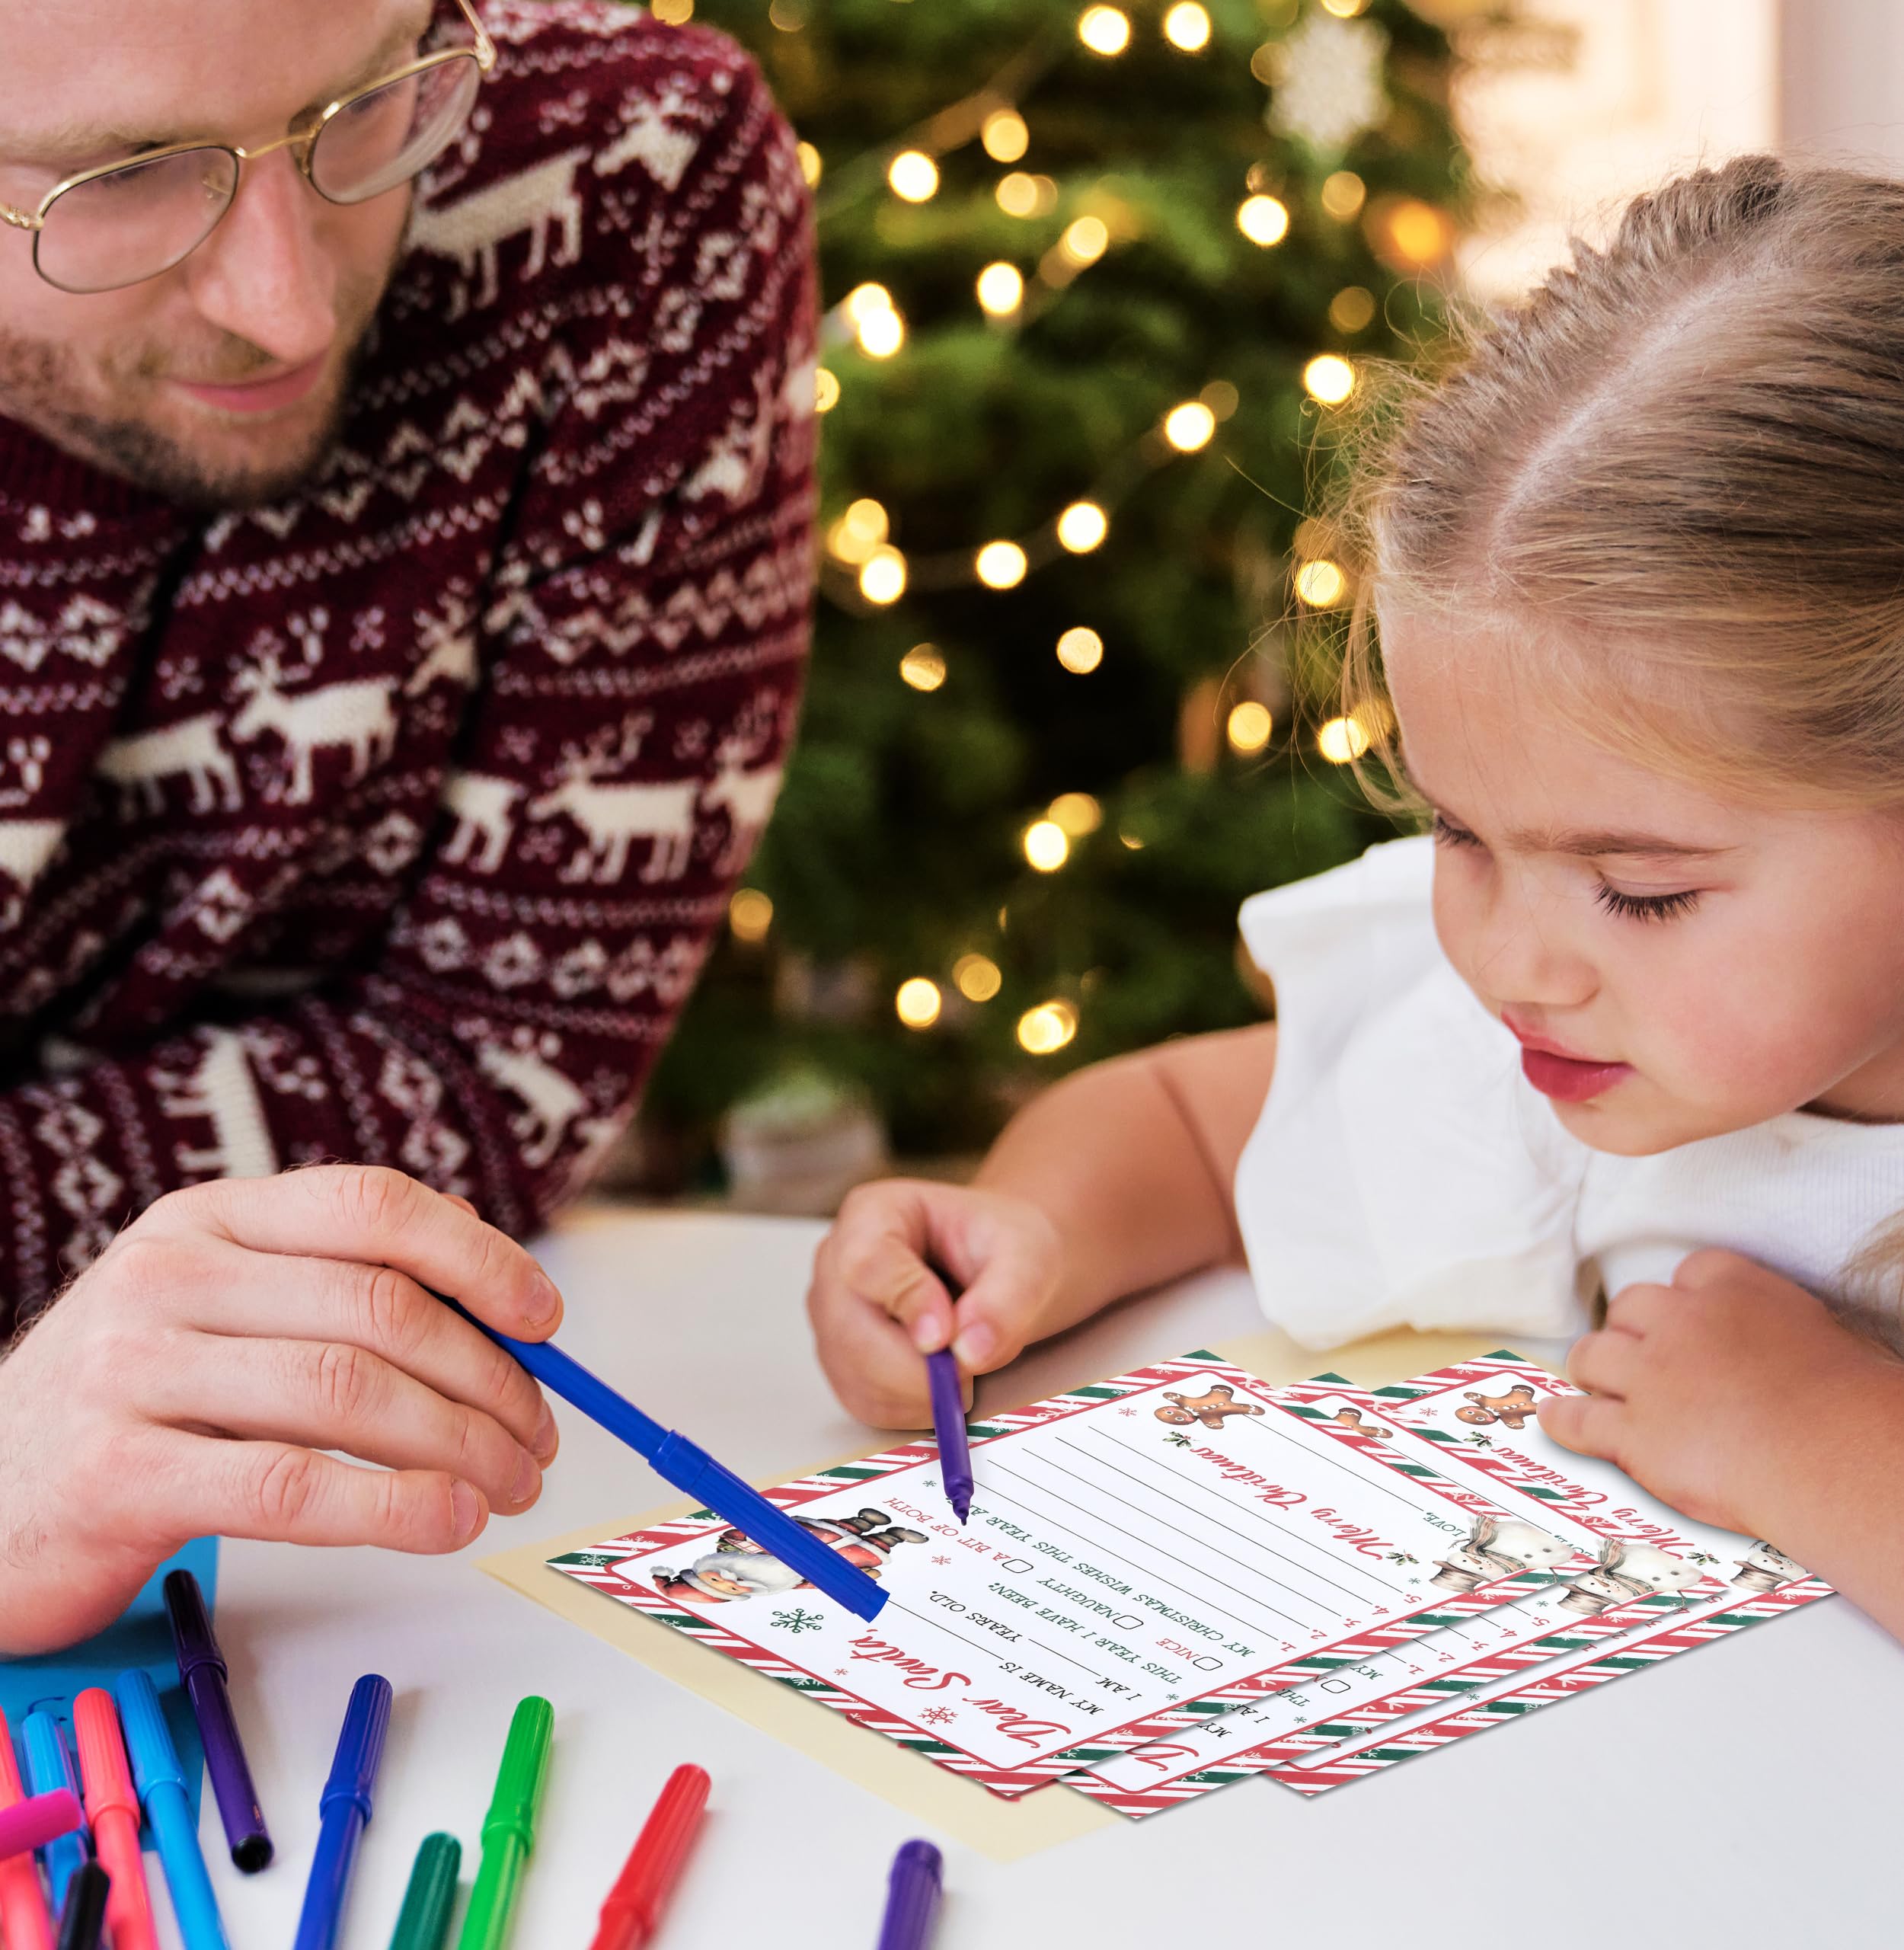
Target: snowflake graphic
(797, 1621)
(941, 1560)
(939, 1716)
(1127, 1411)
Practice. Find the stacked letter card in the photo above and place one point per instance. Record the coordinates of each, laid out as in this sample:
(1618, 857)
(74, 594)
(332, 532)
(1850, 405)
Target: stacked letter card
(1184, 1576)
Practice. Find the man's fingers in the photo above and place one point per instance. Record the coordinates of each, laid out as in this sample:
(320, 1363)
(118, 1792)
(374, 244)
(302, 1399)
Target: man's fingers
(1589, 1424)
(279, 1493)
(369, 1214)
(377, 1308)
(336, 1395)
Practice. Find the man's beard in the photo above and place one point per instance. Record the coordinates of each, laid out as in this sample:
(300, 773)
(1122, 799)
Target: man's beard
(38, 387)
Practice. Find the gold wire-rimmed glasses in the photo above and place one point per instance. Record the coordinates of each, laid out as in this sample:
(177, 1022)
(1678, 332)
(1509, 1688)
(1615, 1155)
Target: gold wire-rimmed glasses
(105, 228)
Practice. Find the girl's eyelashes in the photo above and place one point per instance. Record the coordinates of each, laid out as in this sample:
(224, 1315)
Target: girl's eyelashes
(1449, 834)
(1628, 906)
(1646, 907)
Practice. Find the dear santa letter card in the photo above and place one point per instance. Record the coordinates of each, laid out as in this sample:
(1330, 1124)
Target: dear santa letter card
(1161, 1537)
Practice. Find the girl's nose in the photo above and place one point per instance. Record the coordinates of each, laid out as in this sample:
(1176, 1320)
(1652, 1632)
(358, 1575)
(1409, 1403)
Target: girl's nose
(1520, 952)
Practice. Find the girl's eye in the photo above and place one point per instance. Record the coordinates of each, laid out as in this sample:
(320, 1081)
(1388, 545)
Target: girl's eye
(1646, 907)
(1447, 834)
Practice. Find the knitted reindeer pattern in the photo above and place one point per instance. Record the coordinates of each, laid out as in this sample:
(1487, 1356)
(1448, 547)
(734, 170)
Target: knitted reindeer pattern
(393, 822)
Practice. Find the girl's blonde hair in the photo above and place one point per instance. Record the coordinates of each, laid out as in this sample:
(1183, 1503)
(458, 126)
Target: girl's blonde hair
(1677, 468)
(1677, 471)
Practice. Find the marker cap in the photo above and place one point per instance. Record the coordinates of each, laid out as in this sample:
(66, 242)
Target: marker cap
(353, 1768)
(102, 1755)
(192, 1635)
(148, 1740)
(519, 1780)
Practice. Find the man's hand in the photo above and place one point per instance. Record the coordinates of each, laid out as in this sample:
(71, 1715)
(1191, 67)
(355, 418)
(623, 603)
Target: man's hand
(878, 1308)
(187, 1382)
(1733, 1395)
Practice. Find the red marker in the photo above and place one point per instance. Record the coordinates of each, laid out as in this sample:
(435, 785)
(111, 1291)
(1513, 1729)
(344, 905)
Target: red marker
(632, 1914)
(112, 1808)
(25, 1922)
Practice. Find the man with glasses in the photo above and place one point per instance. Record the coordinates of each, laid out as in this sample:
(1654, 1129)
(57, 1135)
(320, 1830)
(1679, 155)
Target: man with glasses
(406, 418)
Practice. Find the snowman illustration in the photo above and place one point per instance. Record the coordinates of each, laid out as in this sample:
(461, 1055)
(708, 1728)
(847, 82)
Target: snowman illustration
(1628, 1571)
(737, 1567)
(1766, 1568)
(1498, 1547)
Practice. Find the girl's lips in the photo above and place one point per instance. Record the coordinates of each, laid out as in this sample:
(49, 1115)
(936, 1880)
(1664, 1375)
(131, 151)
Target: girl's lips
(270, 395)
(1568, 1079)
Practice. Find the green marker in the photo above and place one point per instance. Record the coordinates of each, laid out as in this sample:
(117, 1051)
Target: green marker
(509, 1829)
(423, 1921)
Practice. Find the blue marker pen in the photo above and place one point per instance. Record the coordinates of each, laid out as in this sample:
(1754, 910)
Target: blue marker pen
(49, 1767)
(689, 1467)
(161, 1782)
(343, 1810)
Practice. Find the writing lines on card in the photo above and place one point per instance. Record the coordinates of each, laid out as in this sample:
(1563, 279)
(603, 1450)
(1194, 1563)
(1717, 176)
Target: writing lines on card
(1189, 1509)
(1097, 1544)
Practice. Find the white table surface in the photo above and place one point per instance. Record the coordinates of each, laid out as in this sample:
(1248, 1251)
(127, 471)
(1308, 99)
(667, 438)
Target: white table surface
(1745, 1793)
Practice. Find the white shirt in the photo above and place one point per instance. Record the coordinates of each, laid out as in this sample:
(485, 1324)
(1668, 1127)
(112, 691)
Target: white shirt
(1404, 1172)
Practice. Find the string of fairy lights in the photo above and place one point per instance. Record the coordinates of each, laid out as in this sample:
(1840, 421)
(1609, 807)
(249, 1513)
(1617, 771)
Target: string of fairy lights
(863, 568)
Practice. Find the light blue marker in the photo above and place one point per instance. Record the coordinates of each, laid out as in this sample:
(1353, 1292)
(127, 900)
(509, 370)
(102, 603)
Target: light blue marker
(161, 1782)
(48, 1767)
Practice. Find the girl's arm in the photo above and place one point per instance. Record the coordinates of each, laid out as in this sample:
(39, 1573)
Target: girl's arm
(1113, 1181)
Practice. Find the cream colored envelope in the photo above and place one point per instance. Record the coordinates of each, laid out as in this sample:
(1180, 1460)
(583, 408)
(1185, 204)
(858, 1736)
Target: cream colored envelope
(1005, 1830)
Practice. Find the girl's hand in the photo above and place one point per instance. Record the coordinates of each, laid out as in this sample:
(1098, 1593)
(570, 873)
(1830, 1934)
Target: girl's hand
(190, 1380)
(1733, 1395)
(878, 1308)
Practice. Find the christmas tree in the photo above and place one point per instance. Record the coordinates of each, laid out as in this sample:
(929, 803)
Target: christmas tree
(1099, 279)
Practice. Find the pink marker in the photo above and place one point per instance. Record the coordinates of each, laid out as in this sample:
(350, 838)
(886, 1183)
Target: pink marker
(25, 1923)
(112, 1807)
(31, 1825)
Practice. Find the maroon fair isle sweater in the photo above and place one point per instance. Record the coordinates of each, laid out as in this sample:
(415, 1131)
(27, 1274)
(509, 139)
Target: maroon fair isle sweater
(393, 822)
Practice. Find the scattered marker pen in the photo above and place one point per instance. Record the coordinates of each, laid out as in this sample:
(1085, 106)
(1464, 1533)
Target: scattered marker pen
(343, 1810)
(632, 1914)
(509, 1829)
(39, 1822)
(423, 1921)
(201, 1665)
(112, 1807)
(161, 1782)
(911, 1897)
(82, 1922)
(25, 1923)
(49, 1768)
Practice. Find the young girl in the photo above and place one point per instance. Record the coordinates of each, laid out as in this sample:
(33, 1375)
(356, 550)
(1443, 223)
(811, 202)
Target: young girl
(1630, 1020)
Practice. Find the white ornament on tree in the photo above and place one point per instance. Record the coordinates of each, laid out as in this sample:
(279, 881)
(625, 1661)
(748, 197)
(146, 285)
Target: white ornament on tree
(1328, 81)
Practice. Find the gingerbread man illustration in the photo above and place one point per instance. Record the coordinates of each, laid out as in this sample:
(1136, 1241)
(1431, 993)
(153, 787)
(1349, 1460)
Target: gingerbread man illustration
(1209, 1409)
(1351, 1418)
(1510, 1410)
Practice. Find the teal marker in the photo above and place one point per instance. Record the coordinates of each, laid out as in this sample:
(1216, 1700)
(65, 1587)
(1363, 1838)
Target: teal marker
(509, 1829)
(423, 1921)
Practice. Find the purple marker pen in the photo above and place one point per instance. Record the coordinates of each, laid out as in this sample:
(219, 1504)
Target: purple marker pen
(948, 1425)
(201, 1665)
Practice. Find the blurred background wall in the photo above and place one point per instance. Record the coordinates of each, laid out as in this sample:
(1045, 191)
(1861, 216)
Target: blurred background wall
(1105, 285)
